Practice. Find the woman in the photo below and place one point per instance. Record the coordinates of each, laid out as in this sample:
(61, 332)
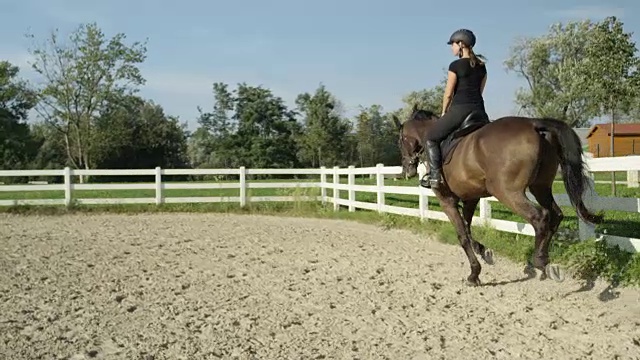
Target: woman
(467, 77)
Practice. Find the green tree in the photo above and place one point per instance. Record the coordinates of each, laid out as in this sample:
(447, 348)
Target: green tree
(611, 59)
(51, 149)
(212, 144)
(135, 133)
(266, 129)
(427, 99)
(552, 66)
(632, 115)
(369, 135)
(218, 122)
(17, 146)
(324, 141)
(390, 153)
(249, 126)
(81, 77)
(201, 149)
(376, 137)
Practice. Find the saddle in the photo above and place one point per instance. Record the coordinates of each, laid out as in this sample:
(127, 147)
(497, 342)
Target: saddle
(474, 121)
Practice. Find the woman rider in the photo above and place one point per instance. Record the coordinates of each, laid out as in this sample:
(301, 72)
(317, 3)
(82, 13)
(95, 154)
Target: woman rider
(463, 94)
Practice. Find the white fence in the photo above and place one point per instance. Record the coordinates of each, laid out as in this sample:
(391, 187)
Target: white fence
(594, 202)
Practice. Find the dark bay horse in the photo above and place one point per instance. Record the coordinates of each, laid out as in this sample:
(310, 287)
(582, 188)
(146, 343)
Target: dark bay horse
(503, 158)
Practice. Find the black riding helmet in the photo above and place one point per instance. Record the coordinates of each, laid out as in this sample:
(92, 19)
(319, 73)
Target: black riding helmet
(463, 35)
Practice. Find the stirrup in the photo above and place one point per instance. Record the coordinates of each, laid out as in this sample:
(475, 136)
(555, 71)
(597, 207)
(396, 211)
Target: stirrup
(430, 183)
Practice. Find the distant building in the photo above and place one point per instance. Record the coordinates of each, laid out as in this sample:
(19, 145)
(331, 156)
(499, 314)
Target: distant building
(626, 139)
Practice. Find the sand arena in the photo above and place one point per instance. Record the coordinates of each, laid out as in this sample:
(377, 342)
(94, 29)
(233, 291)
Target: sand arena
(215, 286)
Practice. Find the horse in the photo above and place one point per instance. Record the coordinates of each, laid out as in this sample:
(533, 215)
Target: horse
(502, 158)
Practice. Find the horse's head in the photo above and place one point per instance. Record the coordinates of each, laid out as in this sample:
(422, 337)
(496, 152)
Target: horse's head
(410, 138)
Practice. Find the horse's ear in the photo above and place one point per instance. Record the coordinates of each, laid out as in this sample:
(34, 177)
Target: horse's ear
(396, 121)
(415, 108)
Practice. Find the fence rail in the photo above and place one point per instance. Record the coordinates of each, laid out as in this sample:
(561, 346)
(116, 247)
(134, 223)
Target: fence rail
(597, 203)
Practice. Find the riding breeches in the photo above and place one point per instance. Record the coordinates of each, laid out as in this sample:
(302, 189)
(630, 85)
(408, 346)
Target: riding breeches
(450, 121)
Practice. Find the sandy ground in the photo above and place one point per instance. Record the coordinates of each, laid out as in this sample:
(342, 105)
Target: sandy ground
(210, 286)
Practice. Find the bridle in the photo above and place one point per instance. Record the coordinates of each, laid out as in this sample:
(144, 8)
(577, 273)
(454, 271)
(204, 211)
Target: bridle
(417, 157)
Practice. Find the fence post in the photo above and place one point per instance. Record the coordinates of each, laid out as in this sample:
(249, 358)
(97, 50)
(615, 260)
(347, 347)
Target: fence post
(158, 185)
(243, 186)
(423, 203)
(485, 211)
(67, 186)
(323, 184)
(352, 193)
(380, 185)
(587, 231)
(632, 178)
(336, 191)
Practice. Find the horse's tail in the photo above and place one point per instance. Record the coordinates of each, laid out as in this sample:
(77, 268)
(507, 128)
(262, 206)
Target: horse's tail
(571, 164)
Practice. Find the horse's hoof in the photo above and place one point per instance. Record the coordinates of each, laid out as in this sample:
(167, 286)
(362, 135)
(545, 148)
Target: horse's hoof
(554, 272)
(473, 282)
(488, 256)
(529, 270)
(543, 276)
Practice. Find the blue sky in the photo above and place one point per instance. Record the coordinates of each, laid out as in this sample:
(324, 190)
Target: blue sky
(365, 51)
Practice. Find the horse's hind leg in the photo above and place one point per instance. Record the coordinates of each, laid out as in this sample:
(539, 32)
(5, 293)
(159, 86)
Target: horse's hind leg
(468, 208)
(538, 217)
(544, 196)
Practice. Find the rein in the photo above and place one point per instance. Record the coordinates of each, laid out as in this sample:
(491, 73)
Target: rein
(419, 157)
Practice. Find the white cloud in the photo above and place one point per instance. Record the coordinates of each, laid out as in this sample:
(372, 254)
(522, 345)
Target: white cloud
(589, 11)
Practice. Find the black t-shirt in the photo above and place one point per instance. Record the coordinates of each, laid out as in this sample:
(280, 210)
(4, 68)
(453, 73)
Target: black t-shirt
(467, 89)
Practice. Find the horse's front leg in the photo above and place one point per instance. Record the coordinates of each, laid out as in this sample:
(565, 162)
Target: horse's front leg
(468, 208)
(450, 208)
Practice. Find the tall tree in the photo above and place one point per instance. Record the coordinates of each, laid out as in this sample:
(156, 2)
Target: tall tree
(266, 128)
(369, 135)
(51, 149)
(218, 122)
(324, 141)
(611, 59)
(17, 146)
(427, 99)
(390, 153)
(249, 126)
(135, 133)
(201, 150)
(211, 145)
(81, 76)
(551, 66)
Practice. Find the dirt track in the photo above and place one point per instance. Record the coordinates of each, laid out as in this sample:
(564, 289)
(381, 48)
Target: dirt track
(171, 286)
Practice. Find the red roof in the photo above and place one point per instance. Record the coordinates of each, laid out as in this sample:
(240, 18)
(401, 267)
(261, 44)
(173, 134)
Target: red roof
(620, 129)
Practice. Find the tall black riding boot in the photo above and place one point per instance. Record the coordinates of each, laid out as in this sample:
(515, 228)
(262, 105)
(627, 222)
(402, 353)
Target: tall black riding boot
(434, 159)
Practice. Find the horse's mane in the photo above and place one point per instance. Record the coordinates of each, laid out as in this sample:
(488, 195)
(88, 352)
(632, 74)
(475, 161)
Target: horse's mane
(422, 115)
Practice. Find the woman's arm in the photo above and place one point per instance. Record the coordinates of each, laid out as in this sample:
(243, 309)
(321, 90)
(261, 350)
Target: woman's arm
(484, 82)
(448, 90)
